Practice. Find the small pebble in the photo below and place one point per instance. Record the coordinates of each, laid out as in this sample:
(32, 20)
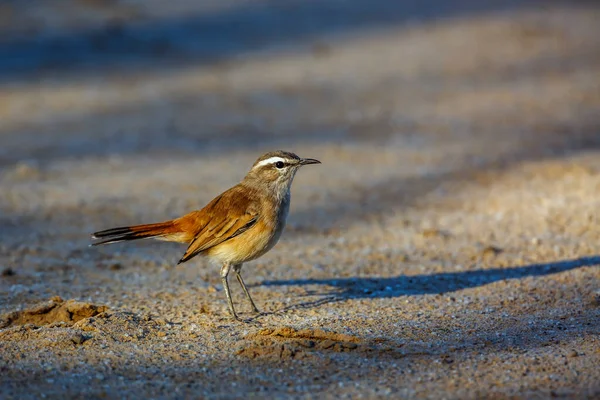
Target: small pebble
(115, 266)
(490, 251)
(573, 354)
(307, 343)
(78, 338)
(596, 297)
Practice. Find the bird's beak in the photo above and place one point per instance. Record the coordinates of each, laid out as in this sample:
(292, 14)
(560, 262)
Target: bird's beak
(307, 161)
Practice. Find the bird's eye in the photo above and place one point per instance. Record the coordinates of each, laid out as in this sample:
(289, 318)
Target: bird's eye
(279, 164)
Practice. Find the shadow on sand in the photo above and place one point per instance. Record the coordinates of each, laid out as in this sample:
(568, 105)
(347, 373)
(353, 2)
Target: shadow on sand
(358, 288)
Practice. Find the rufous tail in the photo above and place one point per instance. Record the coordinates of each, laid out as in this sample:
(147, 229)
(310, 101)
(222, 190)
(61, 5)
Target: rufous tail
(161, 230)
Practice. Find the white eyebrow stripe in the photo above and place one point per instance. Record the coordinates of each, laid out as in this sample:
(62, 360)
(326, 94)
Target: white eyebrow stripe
(271, 160)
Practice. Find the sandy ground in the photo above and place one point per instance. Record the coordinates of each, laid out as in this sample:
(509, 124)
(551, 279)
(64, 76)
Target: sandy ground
(447, 247)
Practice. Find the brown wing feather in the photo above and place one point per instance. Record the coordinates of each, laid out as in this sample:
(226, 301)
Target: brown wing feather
(227, 216)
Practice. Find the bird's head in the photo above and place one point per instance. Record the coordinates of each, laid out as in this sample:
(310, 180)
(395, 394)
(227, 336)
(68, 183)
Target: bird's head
(276, 170)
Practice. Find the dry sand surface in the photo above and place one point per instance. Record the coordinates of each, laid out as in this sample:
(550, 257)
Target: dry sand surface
(447, 247)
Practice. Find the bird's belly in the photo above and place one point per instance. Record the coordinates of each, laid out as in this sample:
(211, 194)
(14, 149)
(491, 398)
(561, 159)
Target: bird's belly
(249, 245)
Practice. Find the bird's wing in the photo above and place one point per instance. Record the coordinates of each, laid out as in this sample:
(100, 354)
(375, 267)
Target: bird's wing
(227, 216)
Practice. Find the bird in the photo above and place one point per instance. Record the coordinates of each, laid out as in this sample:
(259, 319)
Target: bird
(239, 225)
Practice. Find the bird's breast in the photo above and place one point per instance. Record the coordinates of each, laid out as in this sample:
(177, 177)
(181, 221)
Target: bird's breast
(257, 240)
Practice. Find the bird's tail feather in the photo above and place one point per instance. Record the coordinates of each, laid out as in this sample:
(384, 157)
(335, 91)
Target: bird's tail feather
(159, 230)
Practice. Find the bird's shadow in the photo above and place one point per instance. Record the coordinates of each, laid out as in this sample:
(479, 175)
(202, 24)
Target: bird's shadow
(447, 282)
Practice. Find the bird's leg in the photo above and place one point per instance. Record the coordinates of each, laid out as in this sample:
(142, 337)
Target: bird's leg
(238, 269)
(224, 272)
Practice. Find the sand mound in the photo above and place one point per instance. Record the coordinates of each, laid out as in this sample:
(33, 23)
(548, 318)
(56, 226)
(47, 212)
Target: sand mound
(60, 323)
(287, 342)
(52, 311)
(308, 334)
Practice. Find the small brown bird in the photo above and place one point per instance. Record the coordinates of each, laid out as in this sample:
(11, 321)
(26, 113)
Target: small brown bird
(239, 225)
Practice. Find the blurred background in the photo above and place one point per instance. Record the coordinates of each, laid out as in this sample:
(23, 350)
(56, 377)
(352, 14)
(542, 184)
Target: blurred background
(455, 211)
(93, 78)
(120, 111)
